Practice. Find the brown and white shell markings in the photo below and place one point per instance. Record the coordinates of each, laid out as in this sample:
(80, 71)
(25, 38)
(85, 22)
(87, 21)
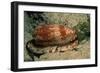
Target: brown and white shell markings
(53, 34)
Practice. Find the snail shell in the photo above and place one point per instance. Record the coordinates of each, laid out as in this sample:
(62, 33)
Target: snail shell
(53, 34)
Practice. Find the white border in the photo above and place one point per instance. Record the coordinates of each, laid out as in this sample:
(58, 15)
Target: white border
(22, 64)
